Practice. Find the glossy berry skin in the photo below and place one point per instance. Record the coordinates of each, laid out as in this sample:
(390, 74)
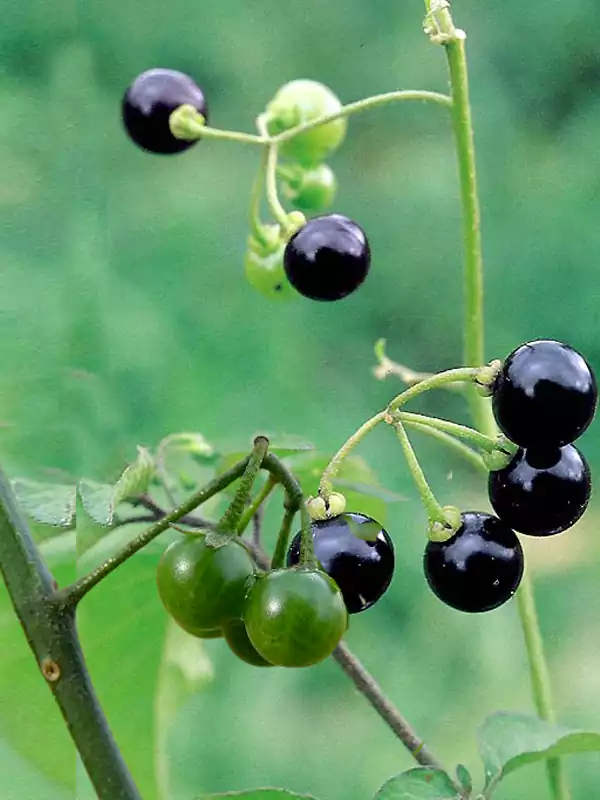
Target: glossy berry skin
(479, 568)
(149, 102)
(356, 552)
(545, 394)
(297, 103)
(203, 587)
(236, 637)
(542, 491)
(328, 258)
(295, 617)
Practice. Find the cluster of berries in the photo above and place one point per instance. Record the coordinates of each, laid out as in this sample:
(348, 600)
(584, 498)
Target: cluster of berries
(328, 257)
(543, 397)
(292, 617)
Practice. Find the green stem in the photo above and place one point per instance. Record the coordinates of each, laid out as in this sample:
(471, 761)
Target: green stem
(462, 449)
(231, 518)
(283, 538)
(51, 633)
(435, 512)
(71, 595)
(540, 678)
(454, 43)
(294, 498)
(256, 224)
(325, 484)
(365, 105)
(473, 437)
(260, 498)
(438, 381)
(187, 124)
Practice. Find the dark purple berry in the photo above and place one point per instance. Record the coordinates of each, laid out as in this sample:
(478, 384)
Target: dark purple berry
(356, 552)
(150, 101)
(479, 568)
(542, 491)
(545, 394)
(328, 258)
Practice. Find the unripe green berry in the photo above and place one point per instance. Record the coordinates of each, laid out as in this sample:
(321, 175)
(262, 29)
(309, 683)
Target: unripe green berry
(310, 190)
(263, 264)
(300, 102)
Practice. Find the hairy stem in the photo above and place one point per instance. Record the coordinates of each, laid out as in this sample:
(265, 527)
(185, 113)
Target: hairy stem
(283, 537)
(459, 447)
(252, 509)
(51, 633)
(231, 518)
(476, 439)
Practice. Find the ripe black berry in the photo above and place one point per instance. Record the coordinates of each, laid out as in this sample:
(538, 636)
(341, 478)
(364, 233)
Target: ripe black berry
(479, 568)
(356, 552)
(544, 395)
(542, 491)
(328, 258)
(150, 101)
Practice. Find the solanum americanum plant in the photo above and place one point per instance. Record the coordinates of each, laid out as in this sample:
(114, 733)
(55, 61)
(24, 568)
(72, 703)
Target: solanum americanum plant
(291, 608)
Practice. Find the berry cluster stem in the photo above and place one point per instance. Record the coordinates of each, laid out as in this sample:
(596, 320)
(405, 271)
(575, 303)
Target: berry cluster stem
(231, 518)
(435, 512)
(260, 498)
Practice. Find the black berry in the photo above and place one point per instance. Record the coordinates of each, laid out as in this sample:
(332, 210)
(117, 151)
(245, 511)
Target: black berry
(479, 568)
(356, 552)
(150, 101)
(328, 258)
(544, 395)
(542, 491)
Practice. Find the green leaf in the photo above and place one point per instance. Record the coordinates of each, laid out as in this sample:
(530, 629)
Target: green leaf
(421, 783)
(97, 500)
(136, 477)
(100, 500)
(51, 504)
(509, 741)
(259, 794)
(464, 777)
(217, 539)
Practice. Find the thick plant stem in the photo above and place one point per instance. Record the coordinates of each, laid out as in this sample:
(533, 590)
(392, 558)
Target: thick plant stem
(254, 506)
(453, 40)
(51, 632)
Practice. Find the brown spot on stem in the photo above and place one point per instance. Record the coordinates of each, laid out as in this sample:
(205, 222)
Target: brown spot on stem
(50, 670)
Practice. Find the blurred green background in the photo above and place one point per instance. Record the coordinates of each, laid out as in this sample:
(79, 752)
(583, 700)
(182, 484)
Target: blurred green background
(124, 316)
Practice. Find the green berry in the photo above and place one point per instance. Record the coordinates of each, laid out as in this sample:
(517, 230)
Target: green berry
(311, 189)
(295, 617)
(265, 273)
(300, 102)
(236, 637)
(203, 587)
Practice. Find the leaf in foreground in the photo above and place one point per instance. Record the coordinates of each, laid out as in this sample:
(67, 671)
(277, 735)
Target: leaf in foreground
(509, 741)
